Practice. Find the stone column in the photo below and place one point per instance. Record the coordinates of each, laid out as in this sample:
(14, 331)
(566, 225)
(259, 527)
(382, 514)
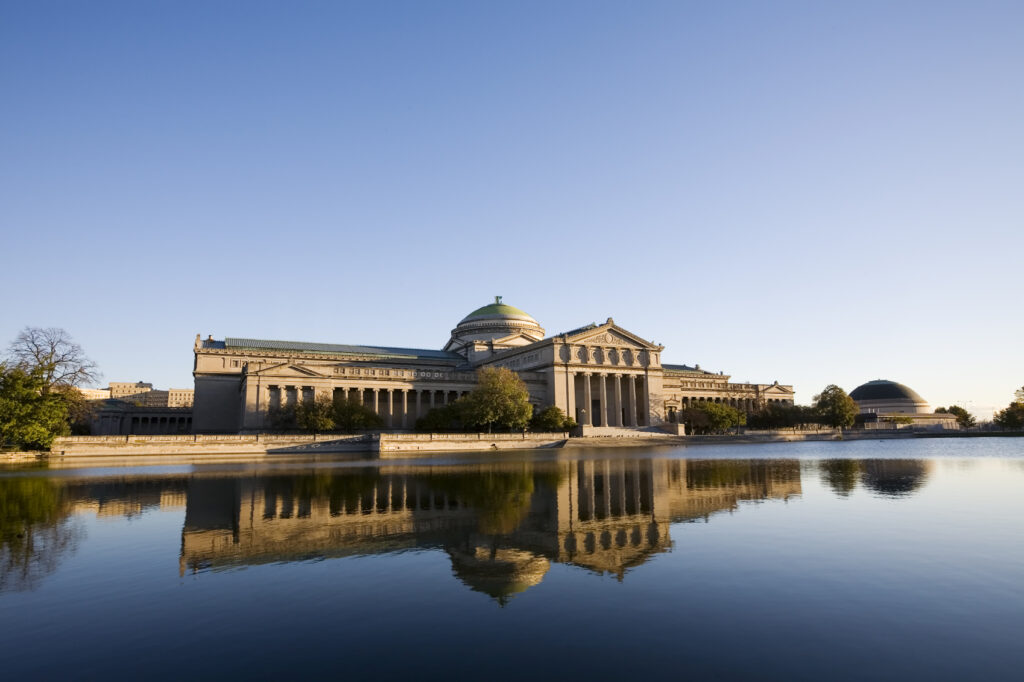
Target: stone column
(618, 400)
(631, 415)
(588, 419)
(604, 401)
(405, 408)
(432, 392)
(646, 400)
(376, 401)
(391, 407)
(419, 411)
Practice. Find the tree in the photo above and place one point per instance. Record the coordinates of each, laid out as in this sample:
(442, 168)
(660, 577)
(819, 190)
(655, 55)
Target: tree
(315, 416)
(54, 352)
(1012, 417)
(721, 417)
(840, 474)
(964, 418)
(696, 420)
(551, 419)
(30, 417)
(708, 417)
(835, 408)
(782, 415)
(282, 418)
(323, 414)
(500, 399)
(351, 415)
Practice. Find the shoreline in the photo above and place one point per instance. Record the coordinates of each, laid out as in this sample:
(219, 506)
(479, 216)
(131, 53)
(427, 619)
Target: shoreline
(381, 447)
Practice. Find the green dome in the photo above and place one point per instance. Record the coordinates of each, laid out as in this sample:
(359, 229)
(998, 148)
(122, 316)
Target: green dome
(497, 310)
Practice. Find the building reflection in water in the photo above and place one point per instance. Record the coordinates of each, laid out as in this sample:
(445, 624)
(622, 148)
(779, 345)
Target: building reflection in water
(501, 525)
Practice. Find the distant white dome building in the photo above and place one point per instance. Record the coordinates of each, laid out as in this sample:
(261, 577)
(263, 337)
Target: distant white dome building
(888, 397)
(883, 403)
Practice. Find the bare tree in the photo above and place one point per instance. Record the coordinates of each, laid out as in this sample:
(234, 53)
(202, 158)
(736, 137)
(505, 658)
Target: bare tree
(63, 362)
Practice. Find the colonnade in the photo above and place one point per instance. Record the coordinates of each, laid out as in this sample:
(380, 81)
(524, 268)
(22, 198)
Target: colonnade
(748, 405)
(164, 425)
(398, 407)
(619, 401)
(392, 495)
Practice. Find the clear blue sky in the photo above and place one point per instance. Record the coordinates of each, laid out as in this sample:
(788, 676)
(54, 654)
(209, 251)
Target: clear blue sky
(803, 191)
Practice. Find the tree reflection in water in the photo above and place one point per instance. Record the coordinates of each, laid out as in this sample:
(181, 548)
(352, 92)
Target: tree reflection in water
(885, 477)
(36, 531)
(840, 474)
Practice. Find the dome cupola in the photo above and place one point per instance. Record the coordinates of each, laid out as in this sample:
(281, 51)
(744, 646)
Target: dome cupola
(496, 322)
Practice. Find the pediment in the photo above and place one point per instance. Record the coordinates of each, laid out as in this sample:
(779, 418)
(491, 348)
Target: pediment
(291, 370)
(778, 390)
(614, 336)
(515, 339)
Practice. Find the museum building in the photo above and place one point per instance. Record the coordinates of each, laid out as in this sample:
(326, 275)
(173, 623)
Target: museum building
(604, 376)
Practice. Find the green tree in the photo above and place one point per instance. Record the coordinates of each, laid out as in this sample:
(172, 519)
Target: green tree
(551, 419)
(351, 415)
(500, 399)
(315, 416)
(782, 415)
(282, 417)
(1012, 417)
(964, 418)
(442, 419)
(721, 417)
(835, 408)
(697, 421)
(30, 417)
(708, 417)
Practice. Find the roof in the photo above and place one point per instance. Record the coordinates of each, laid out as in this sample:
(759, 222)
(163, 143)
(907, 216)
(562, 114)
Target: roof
(497, 310)
(883, 389)
(340, 349)
(684, 368)
(578, 330)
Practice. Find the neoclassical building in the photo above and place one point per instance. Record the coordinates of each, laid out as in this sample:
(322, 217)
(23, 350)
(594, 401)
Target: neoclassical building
(601, 374)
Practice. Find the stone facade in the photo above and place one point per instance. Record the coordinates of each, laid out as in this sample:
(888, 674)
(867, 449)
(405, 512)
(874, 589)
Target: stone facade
(600, 374)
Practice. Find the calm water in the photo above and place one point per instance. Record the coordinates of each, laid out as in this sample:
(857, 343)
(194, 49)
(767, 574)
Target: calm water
(812, 561)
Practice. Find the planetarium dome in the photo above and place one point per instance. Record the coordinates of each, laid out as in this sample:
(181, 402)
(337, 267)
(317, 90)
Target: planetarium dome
(884, 396)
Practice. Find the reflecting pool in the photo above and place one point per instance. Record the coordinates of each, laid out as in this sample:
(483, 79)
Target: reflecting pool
(810, 561)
